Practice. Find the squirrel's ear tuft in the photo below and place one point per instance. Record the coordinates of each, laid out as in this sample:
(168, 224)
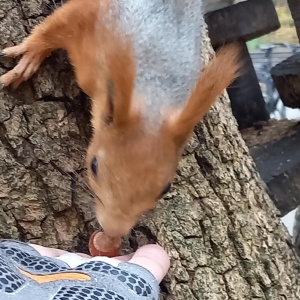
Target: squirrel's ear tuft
(110, 89)
(121, 72)
(220, 72)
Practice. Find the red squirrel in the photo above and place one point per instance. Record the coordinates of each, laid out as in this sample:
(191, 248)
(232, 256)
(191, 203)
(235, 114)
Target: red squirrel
(140, 63)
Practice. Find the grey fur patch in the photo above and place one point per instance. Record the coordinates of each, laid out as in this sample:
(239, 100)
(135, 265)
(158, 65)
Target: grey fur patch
(166, 35)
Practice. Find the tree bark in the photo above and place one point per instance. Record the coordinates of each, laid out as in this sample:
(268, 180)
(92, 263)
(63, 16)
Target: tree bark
(218, 224)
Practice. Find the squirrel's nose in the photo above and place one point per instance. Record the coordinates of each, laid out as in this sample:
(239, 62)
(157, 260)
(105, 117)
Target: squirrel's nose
(115, 229)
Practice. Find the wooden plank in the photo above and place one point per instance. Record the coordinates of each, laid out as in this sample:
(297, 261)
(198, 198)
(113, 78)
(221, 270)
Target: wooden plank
(211, 5)
(247, 102)
(286, 77)
(246, 20)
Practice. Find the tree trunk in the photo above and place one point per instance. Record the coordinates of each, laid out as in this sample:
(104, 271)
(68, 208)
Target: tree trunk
(295, 11)
(218, 224)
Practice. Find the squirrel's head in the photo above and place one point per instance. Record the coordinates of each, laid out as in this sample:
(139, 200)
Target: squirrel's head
(129, 171)
(129, 167)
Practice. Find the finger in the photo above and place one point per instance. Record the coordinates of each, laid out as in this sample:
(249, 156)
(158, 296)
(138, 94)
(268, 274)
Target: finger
(47, 251)
(13, 51)
(153, 258)
(124, 258)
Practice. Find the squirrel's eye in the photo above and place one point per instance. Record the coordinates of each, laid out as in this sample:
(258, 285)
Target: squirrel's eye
(94, 166)
(165, 190)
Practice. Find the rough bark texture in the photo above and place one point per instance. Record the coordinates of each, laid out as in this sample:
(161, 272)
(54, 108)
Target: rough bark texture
(218, 224)
(43, 141)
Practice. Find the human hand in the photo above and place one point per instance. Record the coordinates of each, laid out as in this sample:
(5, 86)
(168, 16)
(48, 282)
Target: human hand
(152, 257)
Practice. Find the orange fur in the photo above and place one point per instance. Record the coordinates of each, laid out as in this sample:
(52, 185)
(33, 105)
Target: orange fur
(121, 66)
(70, 27)
(216, 76)
(134, 165)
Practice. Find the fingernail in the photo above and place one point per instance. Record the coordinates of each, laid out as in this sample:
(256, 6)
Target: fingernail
(2, 53)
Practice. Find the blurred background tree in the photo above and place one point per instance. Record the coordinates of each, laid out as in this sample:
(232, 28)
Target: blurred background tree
(287, 32)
